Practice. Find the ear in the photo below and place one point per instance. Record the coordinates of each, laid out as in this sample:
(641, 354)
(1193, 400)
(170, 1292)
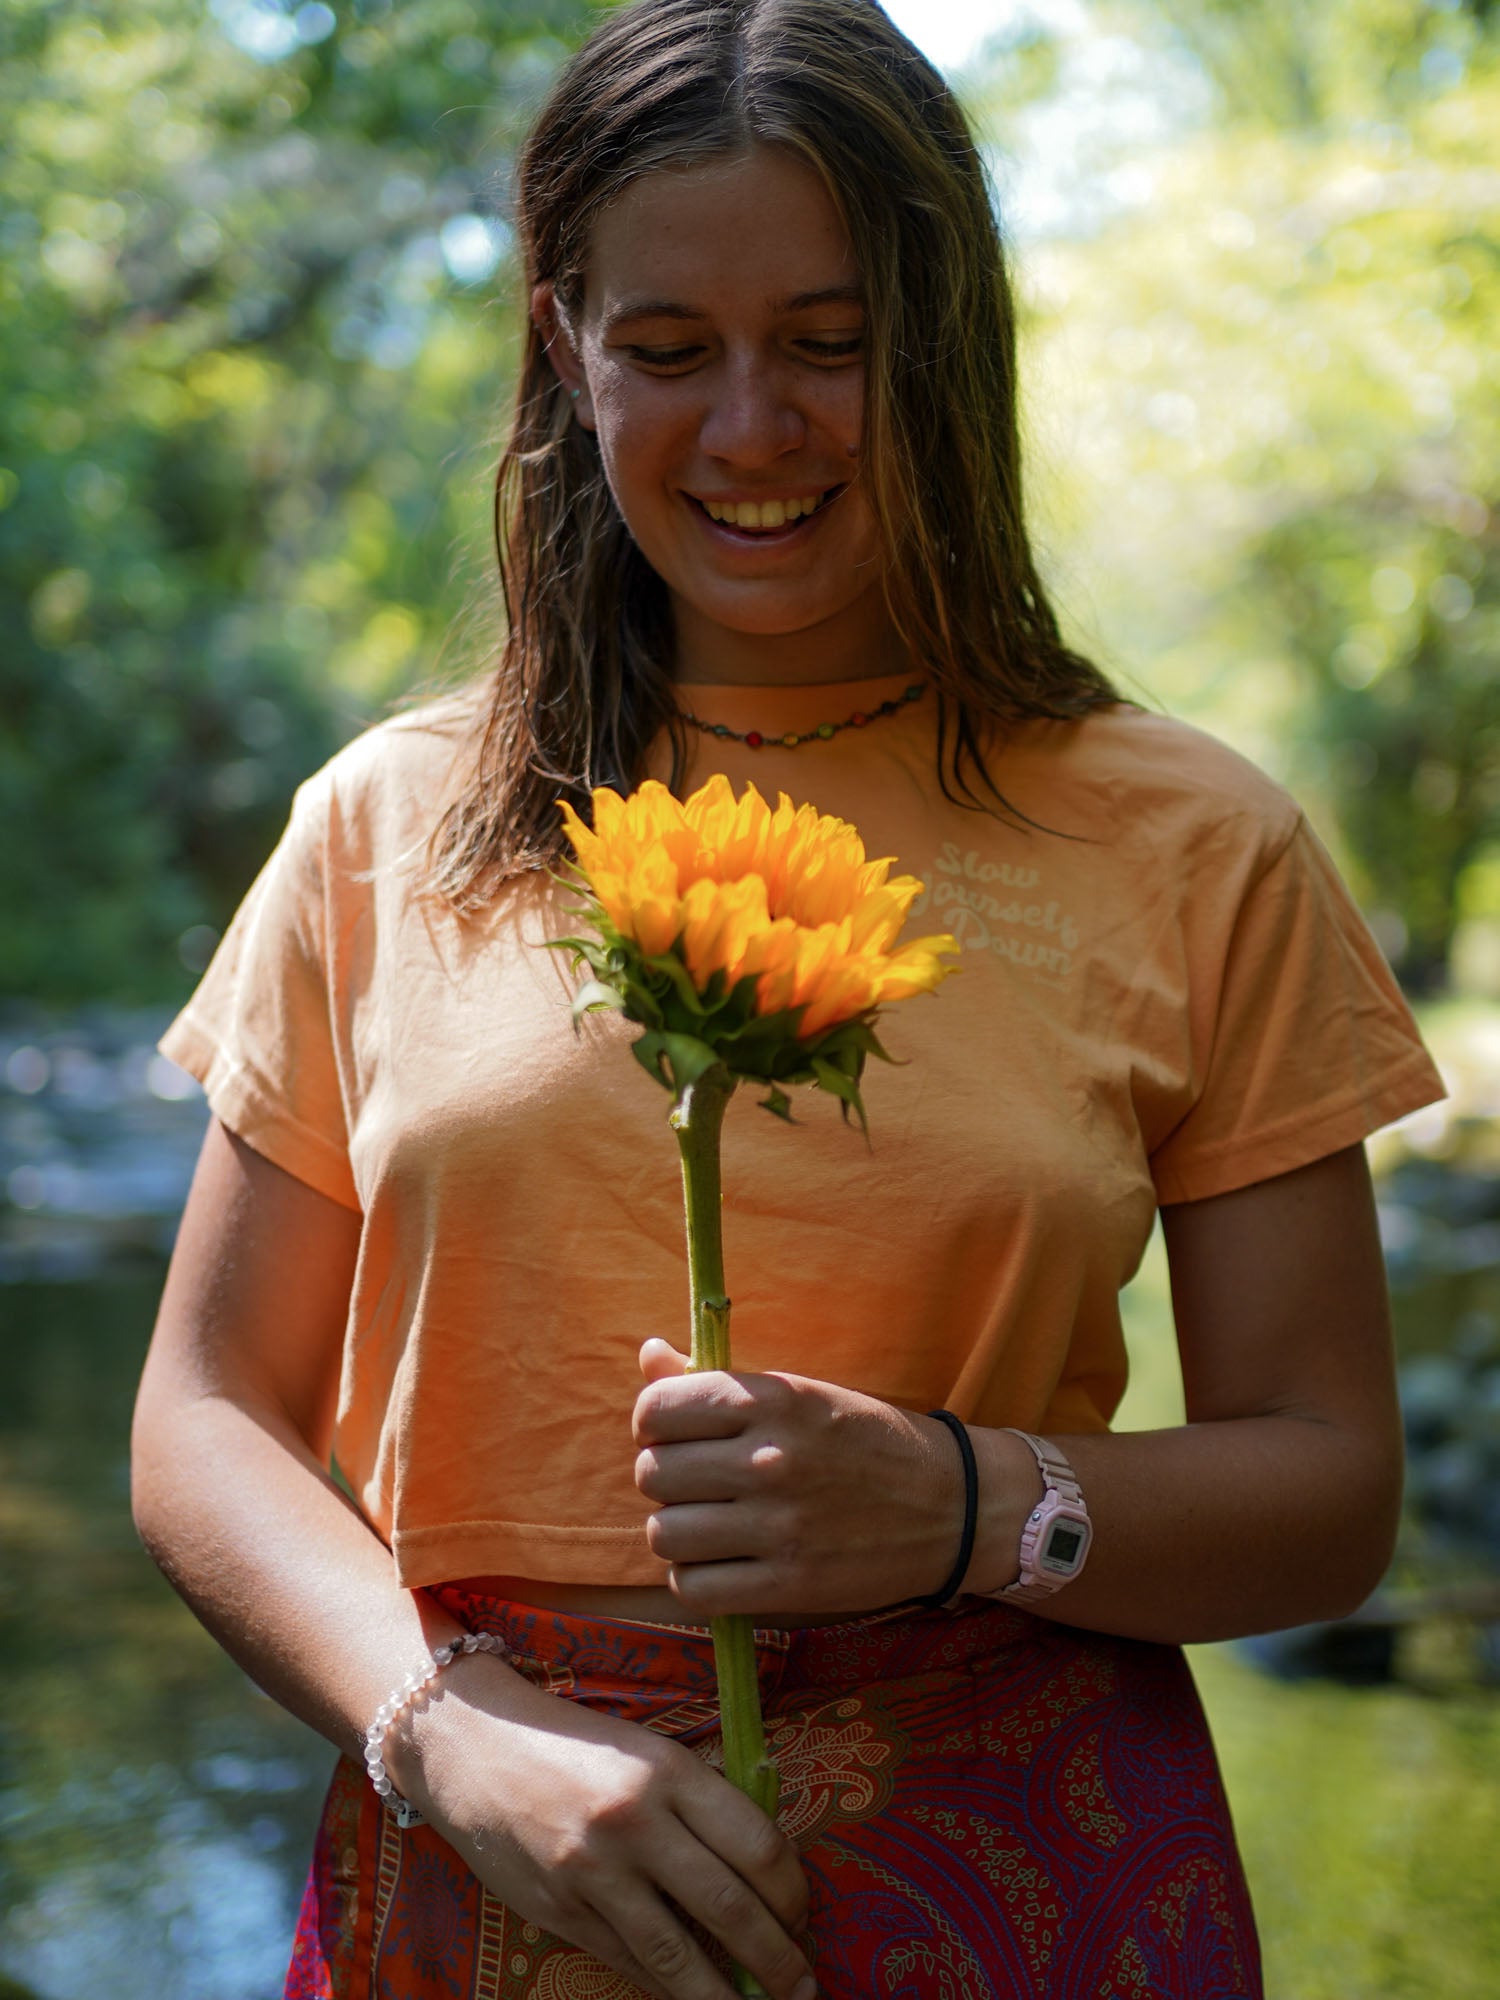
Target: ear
(547, 316)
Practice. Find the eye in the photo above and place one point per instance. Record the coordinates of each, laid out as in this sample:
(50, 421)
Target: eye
(662, 357)
(836, 350)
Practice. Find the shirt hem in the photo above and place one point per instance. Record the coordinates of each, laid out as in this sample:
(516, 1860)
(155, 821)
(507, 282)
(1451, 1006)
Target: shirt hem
(538, 1550)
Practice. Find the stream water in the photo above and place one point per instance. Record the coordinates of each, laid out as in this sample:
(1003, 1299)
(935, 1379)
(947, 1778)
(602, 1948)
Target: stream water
(155, 1808)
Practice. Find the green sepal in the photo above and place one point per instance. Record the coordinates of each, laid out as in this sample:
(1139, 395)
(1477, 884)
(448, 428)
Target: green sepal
(676, 1061)
(764, 1044)
(686, 1031)
(844, 1087)
(593, 995)
(671, 969)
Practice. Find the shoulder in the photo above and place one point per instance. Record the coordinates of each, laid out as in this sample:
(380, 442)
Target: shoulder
(1139, 779)
(391, 780)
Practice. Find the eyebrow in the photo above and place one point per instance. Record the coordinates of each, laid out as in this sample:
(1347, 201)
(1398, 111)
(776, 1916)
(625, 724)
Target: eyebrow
(632, 309)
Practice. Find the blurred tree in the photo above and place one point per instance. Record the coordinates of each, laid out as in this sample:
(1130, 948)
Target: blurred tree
(249, 259)
(1299, 68)
(1275, 323)
(251, 357)
(1406, 705)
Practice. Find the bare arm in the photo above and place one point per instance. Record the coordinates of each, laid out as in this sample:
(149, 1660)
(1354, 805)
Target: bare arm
(1276, 1502)
(582, 1823)
(230, 1448)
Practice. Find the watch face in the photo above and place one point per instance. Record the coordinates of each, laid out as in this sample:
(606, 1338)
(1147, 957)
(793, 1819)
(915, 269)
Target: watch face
(1064, 1546)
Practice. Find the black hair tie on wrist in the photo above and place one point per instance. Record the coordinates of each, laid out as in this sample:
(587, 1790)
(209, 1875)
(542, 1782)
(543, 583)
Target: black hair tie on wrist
(971, 1511)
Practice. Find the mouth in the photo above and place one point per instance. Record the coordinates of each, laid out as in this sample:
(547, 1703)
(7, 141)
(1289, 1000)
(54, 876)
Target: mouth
(745, 523)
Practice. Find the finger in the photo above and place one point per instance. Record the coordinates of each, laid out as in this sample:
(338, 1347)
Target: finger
(660, 1360)
(734, 1828)
(593, 1934)
(699, 1532)
(708, 1590)
(670, 1957)
(728, 1908)
(708, 1405)
(700, 1469)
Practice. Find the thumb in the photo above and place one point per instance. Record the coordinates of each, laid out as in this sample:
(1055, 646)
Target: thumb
(659, 1359)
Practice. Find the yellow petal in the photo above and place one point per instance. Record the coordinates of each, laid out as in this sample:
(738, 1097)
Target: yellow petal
(880, 913)
(719, 919)
(917, 967)
(587, 846)
(657, 921)
(613, 893)
(846, 989)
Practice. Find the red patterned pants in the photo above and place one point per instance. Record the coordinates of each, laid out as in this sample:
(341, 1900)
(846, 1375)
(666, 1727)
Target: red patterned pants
(989, 1806)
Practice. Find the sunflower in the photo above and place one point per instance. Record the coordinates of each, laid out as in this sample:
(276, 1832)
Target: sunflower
(749, 945)
(733, 932)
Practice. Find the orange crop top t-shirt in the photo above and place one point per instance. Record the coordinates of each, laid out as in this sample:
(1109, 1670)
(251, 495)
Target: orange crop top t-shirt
(1167, 996)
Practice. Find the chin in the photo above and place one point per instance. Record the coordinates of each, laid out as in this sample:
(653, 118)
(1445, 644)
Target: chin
(764, 614)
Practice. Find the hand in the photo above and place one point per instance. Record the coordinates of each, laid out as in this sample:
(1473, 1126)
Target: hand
(781, 1495)
(588, 1825)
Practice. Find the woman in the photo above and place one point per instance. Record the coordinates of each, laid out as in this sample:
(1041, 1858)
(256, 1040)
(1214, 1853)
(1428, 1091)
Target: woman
(760, 514)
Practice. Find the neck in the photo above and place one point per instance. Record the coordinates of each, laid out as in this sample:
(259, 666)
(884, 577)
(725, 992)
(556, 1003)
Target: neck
(858, 644)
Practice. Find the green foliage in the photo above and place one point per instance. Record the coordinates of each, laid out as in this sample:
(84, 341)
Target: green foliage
(1315, 69)
(1378, 1881)
(1393, 614)
(243, 408)
(1280, 481)
(251, 375)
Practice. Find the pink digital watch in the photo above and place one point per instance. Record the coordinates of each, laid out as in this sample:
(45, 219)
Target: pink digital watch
(1055, 1541)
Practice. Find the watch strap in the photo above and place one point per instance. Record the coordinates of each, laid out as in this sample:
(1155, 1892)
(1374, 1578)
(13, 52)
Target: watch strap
(1055, 1469)
(1058, 1477)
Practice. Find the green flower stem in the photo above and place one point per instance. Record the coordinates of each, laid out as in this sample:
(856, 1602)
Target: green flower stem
(698, 1119)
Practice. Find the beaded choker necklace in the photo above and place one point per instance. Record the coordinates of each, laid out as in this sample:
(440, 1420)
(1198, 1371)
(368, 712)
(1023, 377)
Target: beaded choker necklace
(756, 739)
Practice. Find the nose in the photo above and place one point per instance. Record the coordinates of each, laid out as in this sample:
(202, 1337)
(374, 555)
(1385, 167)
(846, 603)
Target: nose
(753, 418)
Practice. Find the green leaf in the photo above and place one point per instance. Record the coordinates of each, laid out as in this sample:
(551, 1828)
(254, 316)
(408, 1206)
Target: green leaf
(779, 1105)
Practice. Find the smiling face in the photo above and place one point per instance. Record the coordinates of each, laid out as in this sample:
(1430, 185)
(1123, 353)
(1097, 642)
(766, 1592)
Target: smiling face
(722, 369)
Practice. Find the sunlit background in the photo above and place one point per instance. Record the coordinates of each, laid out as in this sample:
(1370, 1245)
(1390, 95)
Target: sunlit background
(259, 314)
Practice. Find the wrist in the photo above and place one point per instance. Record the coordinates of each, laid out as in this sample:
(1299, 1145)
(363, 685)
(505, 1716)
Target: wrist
(425, 1743)
(1010, 1486)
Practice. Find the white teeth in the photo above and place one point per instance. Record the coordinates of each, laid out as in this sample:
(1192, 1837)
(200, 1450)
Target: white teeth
(763, 514)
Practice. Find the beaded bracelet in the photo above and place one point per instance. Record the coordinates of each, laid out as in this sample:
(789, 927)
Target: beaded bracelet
(397, 1704)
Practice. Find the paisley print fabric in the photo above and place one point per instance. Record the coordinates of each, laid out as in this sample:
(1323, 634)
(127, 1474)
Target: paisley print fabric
(989, 1806)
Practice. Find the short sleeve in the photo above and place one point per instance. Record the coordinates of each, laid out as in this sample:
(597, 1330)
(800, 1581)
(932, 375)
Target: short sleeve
(258, 1032)
(1306, 1045)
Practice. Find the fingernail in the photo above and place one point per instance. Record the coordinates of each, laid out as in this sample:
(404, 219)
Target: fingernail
(806, 1989)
